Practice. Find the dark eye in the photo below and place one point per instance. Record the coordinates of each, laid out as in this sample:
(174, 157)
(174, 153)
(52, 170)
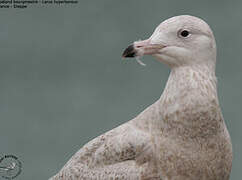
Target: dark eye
(184, 33)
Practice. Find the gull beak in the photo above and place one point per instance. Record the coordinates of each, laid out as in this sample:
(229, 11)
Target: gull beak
(140, 48)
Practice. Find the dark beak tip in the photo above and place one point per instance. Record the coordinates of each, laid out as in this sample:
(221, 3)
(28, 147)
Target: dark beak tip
(129, 52)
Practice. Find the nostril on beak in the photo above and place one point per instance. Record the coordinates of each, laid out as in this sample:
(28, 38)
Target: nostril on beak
(129, 52)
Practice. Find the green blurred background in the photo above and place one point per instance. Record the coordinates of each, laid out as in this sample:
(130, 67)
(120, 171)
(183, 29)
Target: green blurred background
(63, 82)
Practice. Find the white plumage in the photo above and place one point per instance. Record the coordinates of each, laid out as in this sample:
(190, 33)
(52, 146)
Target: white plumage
(182, 136)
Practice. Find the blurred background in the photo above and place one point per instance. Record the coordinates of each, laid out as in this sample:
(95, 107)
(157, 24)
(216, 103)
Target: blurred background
(63, 81)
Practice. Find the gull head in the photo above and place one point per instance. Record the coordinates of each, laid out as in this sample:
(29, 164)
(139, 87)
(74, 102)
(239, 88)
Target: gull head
(178, 41)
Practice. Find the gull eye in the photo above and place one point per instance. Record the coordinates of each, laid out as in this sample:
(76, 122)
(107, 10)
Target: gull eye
(183, 33)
